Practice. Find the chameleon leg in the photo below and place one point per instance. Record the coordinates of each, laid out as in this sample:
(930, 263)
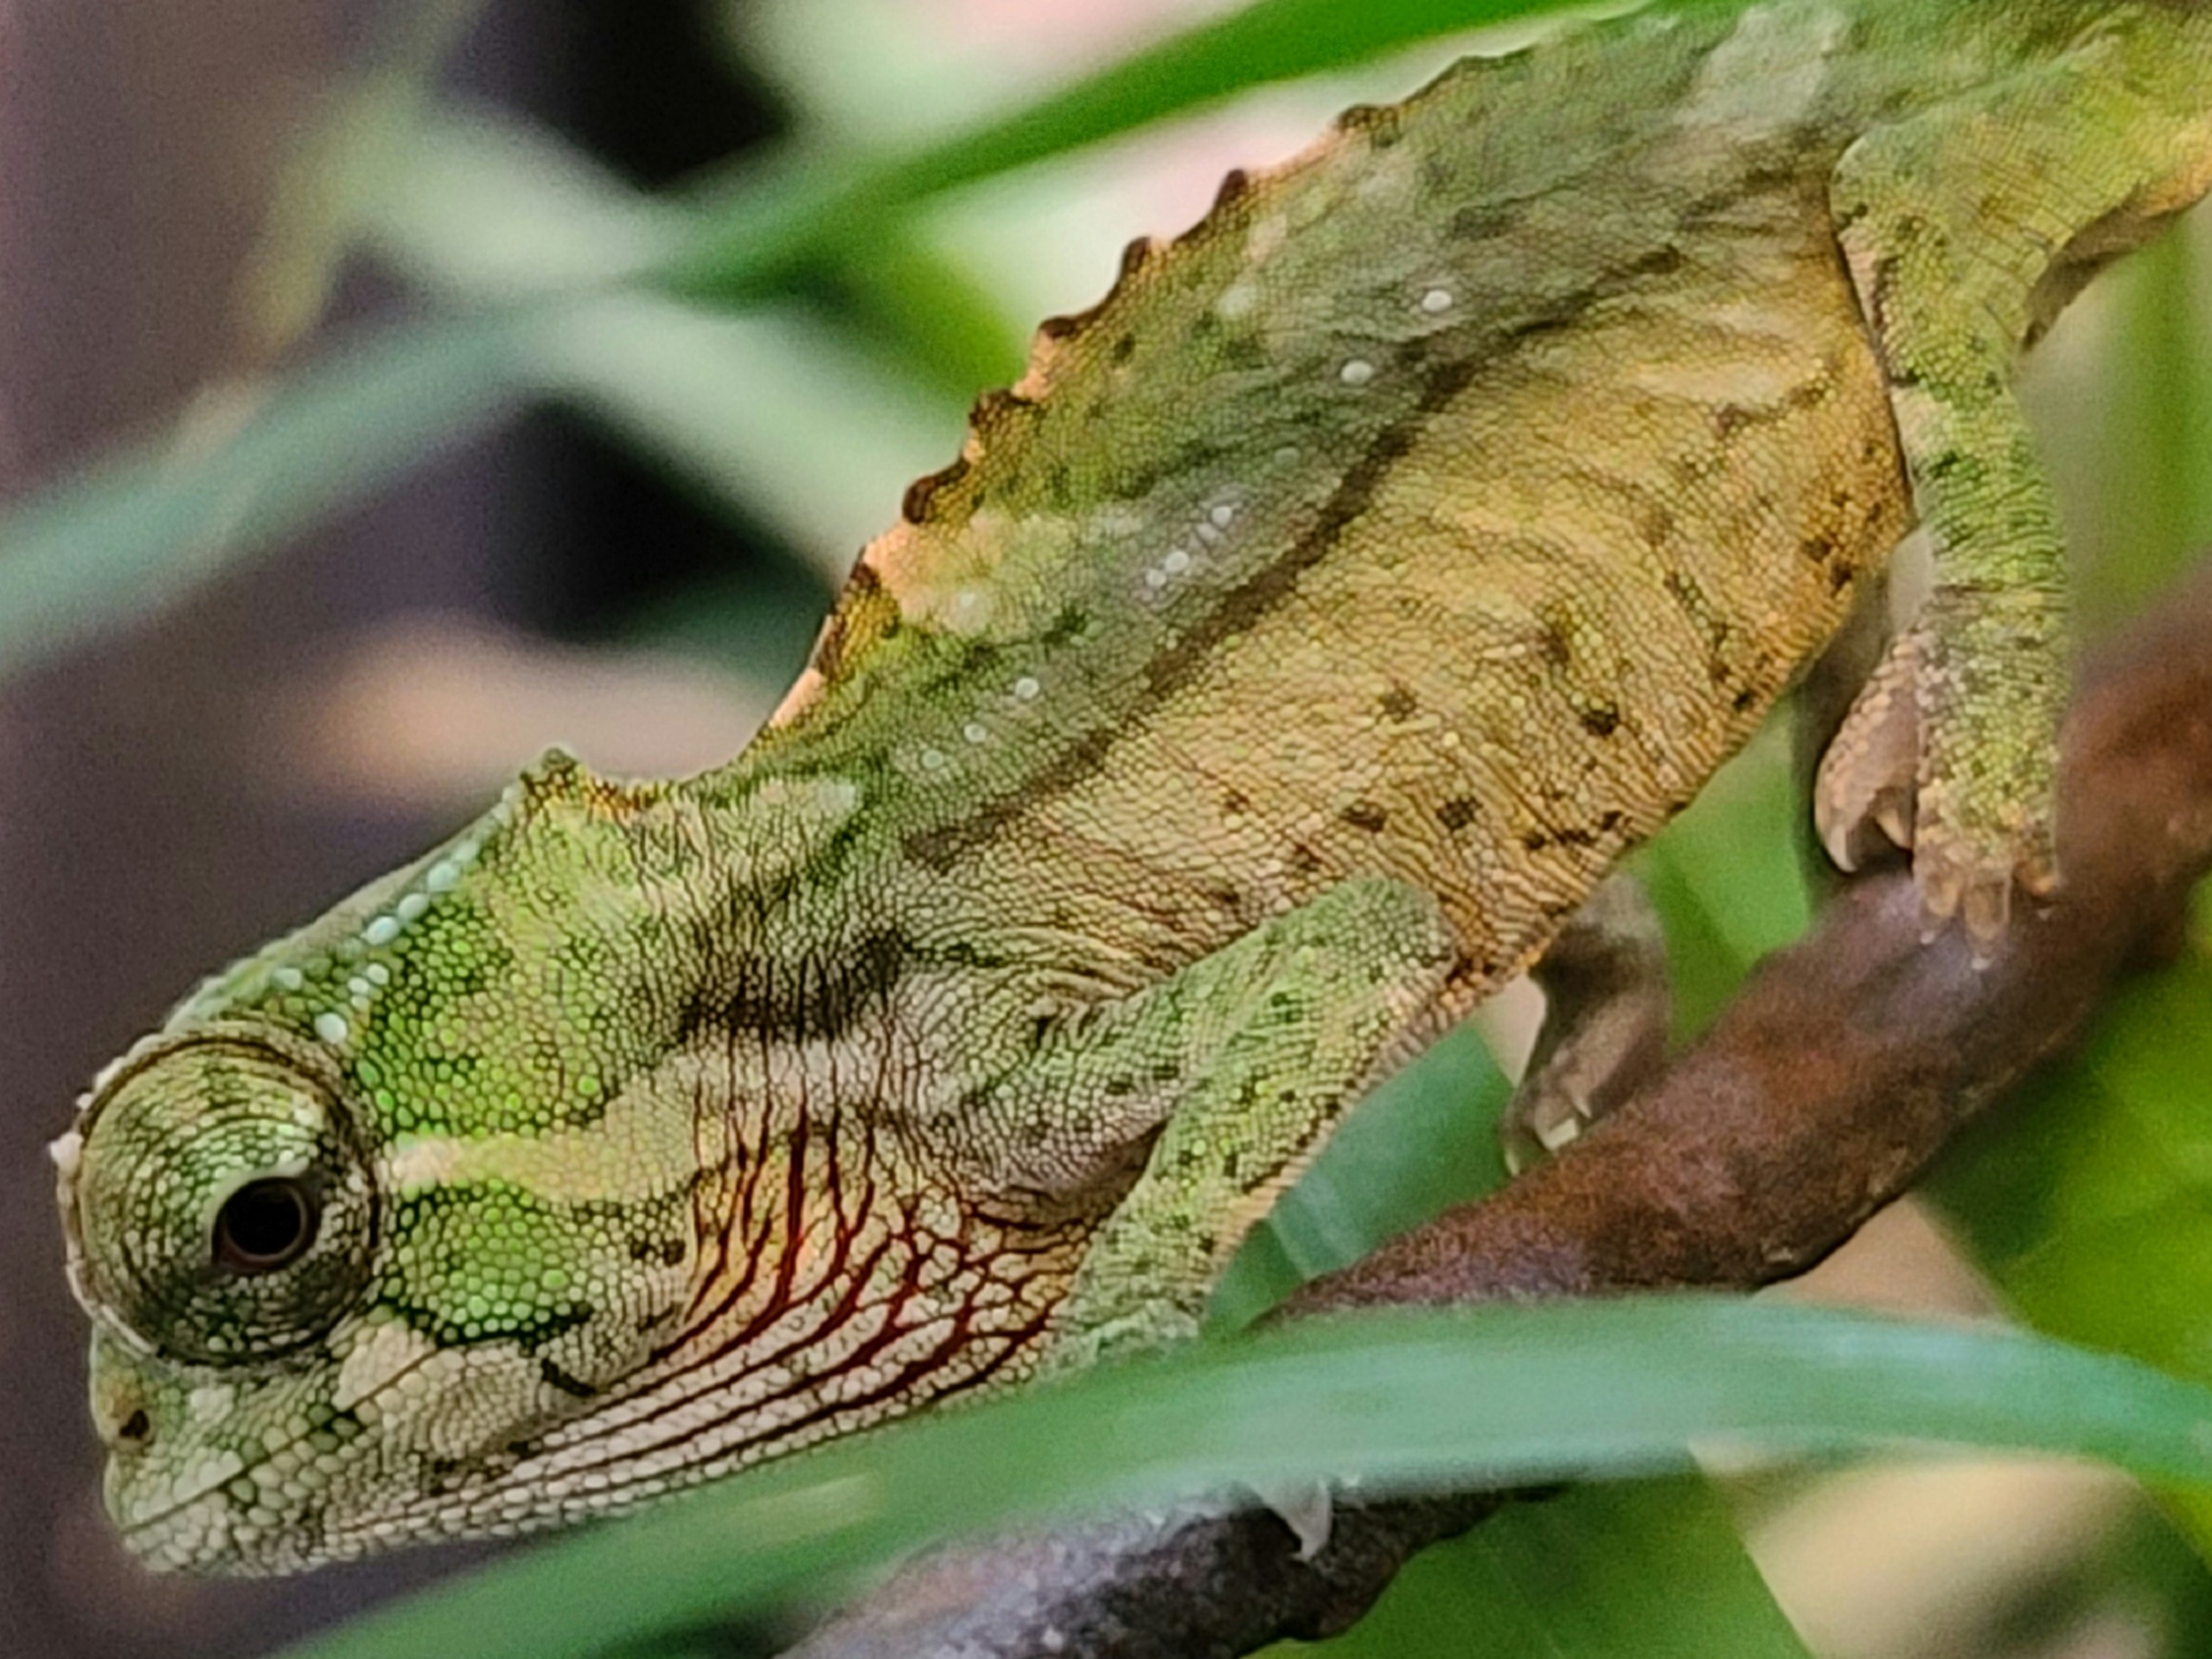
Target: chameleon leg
(1605, 1022)
(1277, 1034)
(1960, 227)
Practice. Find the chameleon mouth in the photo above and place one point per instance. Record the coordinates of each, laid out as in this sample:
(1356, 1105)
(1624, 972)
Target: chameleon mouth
(198, 1531)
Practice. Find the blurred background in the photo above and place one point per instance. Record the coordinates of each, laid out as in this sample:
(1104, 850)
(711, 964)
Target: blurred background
(388, 390)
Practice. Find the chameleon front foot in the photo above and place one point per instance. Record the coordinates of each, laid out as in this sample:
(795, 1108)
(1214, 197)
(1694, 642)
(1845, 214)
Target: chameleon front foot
(1950, 752)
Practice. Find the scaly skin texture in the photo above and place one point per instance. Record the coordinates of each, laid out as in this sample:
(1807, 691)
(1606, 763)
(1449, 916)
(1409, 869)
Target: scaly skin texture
(1284, 660)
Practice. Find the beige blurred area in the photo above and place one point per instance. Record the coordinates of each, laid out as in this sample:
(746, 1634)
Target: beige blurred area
(1927, 1560)
(435, 712)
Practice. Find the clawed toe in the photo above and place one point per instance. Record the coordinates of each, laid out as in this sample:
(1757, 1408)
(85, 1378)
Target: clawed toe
(1863, 798)
(1902, 771)
(1976, 885)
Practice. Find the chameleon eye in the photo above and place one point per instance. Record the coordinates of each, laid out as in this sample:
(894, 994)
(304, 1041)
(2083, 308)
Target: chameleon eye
(266, 1225)
(219, 1205)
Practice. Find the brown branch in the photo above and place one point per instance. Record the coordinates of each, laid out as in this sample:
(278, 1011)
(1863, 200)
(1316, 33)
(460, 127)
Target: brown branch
(1823, 1090)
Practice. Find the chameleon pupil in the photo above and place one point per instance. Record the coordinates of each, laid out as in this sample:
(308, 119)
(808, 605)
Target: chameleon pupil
(264, 1226)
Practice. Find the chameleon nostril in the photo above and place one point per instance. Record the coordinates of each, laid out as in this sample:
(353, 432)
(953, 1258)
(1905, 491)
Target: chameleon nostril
(134, 1431)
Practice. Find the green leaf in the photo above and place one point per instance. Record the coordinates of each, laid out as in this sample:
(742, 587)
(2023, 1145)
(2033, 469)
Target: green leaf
(130, 531)
(493, 207)
(352, 156)
(780, 417)
(2134, 436)
(1652, 1568)
(249, 464)
(746, 228)
(922, 308)
(2090, 1199)
(1512, 1395)
(1728, 878)
(1425, 1140)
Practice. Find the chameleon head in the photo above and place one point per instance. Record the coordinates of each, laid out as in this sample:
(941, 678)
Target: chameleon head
(303, 1348)
(343, 1265)
(222, 1221)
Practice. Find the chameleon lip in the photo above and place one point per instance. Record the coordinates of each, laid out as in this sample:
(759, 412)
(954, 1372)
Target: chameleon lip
(213, 1493)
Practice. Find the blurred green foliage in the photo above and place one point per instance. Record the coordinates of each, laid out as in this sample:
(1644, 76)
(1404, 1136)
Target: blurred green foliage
(796, 338)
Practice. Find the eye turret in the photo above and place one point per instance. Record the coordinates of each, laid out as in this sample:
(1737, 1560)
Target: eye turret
(219, 1207)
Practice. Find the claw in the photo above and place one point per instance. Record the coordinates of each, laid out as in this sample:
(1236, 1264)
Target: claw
(1987, 909)
(1866, 779)
(1879, 776)
(1605, 1022)
(1839, 832)
(1893, 817)
(1977, 889)
(1530, 1135)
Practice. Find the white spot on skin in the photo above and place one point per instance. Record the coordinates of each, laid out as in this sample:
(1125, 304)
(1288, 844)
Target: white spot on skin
(1223, 515)
(411, 907)
(1265, 236)
(1760, 81)
(211, 1403)
(1025, 690)
(1155, 579)
(975, 732)
(631, 1153)
(1208, 535)
(332, 1027)
(289, 978)
(1236, 300)
(357, 986)
(1436, 301)
(1176, 563)
(378, 1357)
(1358, 372)
(382, 931)
(442, 876)
(933, 760)
(1287, 456)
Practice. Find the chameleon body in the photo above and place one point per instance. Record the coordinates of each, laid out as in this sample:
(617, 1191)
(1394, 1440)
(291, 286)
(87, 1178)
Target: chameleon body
(1284, 659)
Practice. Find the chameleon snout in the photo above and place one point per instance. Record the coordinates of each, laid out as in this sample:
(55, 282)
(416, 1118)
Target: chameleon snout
(123, 1416)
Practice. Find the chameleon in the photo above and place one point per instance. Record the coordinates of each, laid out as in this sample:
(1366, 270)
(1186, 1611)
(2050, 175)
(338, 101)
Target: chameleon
(1284, 662)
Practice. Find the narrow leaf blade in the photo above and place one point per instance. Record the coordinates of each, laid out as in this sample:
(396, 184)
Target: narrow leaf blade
(1506, 1395)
